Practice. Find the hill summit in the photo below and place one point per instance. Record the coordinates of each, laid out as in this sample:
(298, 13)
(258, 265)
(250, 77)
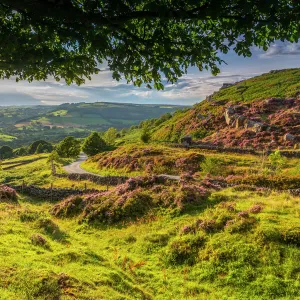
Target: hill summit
(258, 112)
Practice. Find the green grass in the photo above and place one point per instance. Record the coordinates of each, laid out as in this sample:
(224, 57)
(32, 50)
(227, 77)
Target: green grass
(283, 83)
(135, 261)
(6, 137)
(39, 173)
(166, 157)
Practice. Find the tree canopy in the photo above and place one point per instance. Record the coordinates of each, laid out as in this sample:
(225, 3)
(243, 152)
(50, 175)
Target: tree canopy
(110, 135)
(141, 40)
(69, 147)
(93, 144)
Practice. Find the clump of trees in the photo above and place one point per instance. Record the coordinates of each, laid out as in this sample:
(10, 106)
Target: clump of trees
(110, 136)
(146, 136)
(69, 147)
(6, 152)
(40, 146)
(93, 144)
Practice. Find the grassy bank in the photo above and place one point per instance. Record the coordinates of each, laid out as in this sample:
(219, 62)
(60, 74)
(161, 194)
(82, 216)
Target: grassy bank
(155, 257)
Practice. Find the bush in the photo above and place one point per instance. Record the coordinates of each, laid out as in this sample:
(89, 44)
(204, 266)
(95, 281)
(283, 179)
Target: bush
(240, 224)
(6, 152)
(29, 216)
(184, 250)
(210, 166)
(7, 194)
(93, 144)
(48, 226)
(69, 147)
(42, 145)
(277, 161)
(39, 240)
(69, 207)
(145, 137)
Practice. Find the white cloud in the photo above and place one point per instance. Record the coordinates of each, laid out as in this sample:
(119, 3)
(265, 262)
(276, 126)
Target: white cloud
(280, 49)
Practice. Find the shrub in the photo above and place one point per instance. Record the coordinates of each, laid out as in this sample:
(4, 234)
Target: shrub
(291, 236)
(69, 147)
(210, 166)
(146, 136)
(240, 224)
(255, 209)
(29, 216)
(44, 147)
(93, 144)
(184, 250)
(39, 240)
(6, 152)
(277, 161)
(7, 193)
(69, 207)
(48, 225)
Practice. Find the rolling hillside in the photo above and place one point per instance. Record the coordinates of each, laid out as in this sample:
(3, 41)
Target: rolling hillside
(20, 125)
(263, 110)
(99, 115)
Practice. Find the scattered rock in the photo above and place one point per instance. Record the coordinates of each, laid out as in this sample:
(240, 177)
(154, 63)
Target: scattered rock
(239, 122)
(229, 115)
(288, 137)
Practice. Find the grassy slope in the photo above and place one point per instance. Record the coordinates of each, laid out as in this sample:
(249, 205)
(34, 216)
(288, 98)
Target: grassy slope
(109, 114)
(39, 173)
(136, 261)
(166, 157)
(283, 83)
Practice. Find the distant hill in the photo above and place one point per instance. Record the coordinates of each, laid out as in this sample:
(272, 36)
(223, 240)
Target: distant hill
(264, 110)
(22, 125)
(99, 115)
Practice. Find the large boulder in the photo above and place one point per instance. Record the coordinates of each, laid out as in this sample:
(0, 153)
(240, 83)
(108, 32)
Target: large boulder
(254, 126)
(229, 115)
(289, 137)
(239, 122)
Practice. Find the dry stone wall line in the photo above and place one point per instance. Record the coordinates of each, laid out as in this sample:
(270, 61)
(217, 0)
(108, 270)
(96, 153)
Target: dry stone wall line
(50, 194)
(289, 154)
(19, 163)
(101, 180)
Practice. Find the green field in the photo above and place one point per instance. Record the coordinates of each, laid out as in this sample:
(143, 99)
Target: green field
(21, 125)
(151, 259)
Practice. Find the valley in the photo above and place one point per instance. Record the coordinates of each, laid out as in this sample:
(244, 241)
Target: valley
(196, 203)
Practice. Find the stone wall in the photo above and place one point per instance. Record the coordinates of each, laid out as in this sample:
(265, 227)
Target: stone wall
(291, 153)
(101, 180)
(50, 194)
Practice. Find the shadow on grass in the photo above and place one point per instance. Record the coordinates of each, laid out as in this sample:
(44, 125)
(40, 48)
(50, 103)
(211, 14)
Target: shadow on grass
(52, 230)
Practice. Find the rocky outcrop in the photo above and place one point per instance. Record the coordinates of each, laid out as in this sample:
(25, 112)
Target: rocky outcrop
(236, 120)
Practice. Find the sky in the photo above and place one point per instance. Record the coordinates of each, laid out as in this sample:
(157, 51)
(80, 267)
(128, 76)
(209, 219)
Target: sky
(190, 89)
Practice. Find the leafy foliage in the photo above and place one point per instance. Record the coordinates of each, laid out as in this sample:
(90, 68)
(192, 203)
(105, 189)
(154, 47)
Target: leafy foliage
(42, 145)
(110, 135)
(145, 137)
(93, 144)
(68, 147)
(6, 152)
(277, 160)
(140, 40)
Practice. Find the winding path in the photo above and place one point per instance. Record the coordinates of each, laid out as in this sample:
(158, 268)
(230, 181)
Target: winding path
(75, 168)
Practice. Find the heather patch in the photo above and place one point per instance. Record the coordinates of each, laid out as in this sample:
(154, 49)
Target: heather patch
(150, 160)
(7, 194)
(132, 200)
